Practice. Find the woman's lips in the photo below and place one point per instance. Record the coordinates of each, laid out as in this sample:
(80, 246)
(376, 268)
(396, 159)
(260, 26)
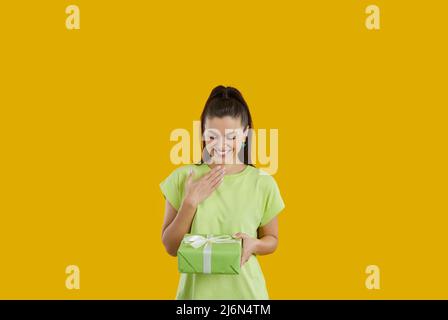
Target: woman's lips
(222, 153)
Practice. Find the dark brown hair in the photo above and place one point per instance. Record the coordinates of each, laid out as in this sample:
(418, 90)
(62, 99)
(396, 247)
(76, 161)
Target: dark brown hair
(228, 101)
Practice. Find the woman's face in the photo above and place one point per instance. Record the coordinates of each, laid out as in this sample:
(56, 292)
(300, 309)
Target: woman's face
(223, 139)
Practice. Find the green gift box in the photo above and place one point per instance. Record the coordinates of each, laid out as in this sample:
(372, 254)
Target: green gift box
(209, 254)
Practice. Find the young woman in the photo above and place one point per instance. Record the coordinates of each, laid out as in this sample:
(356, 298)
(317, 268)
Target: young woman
(224, 194)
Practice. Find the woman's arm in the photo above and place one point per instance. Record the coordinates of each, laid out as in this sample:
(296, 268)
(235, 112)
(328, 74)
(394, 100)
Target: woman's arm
(267, 238)
(177, 224)
(266, 242)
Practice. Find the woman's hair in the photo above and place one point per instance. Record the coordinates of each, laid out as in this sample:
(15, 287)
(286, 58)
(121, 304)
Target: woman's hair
(228, 101)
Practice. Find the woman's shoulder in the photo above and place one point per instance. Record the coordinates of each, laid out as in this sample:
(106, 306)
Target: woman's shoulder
(267, 186)
(264, 178)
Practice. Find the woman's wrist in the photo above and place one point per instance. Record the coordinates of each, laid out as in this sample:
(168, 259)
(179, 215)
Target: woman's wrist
(265, 245)
(190, 203)
(256, 246)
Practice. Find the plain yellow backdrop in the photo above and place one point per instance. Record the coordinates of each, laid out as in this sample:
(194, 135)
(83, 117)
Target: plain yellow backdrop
(85, 119)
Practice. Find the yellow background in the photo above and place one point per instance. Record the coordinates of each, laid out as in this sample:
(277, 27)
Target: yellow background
(86, 116)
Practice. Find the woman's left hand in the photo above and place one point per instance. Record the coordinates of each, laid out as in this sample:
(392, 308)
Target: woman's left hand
(249, 245)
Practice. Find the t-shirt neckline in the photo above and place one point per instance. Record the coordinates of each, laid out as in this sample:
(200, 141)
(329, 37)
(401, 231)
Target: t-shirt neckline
(232, 175)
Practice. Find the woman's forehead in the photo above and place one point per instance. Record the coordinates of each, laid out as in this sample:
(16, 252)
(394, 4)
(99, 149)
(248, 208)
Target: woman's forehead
(224, 124)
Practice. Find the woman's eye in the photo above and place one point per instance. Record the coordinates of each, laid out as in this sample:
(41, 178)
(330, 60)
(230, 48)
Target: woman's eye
(211, 138)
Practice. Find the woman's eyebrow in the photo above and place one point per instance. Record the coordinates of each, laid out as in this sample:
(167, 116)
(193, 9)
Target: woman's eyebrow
(235, 131)
(211, 131)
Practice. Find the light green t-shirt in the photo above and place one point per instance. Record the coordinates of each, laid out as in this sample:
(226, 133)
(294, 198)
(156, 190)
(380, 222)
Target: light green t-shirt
(242, 203)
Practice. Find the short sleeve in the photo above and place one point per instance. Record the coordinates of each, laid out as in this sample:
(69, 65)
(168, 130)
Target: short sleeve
(170, 188)
(274, 202)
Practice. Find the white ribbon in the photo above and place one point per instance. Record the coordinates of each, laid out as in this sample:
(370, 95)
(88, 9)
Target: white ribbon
(197, 241)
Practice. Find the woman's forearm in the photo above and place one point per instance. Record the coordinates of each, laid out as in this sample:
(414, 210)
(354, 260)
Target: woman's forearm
(174, 233)
(265, 245)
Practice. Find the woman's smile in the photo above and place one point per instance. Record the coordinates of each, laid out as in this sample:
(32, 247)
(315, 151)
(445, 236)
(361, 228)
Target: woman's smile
(222, 153)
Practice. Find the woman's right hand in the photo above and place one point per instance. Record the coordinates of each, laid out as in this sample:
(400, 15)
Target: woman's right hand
(197, 191)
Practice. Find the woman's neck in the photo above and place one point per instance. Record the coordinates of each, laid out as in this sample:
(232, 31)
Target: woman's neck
(230, 168)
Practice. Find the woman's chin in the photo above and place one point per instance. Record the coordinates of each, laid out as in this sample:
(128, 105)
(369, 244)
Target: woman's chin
(223, 159)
